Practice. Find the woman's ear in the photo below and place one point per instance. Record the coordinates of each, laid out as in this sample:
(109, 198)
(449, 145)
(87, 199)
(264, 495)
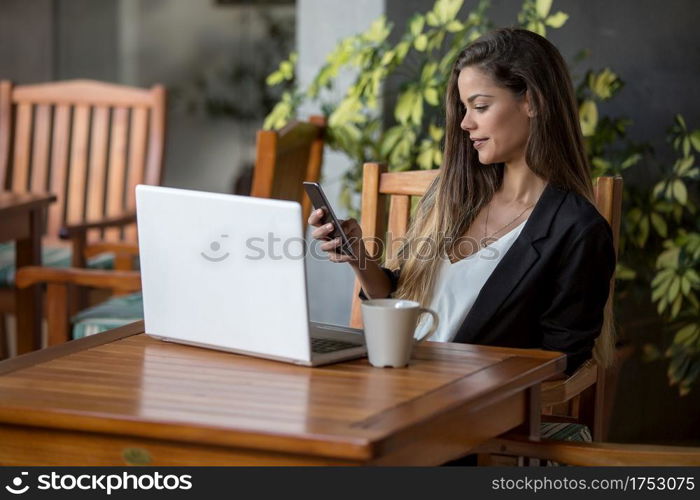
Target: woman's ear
(529, 107)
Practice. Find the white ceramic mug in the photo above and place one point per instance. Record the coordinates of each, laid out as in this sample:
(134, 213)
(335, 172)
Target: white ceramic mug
(389, 326)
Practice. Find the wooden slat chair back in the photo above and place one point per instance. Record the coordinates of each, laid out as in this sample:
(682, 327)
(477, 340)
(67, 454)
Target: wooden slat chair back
(88, 142)
(286, 158)
(585, 390)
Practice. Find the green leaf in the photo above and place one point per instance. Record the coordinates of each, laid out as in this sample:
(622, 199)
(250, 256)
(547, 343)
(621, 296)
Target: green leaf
(588, 116)
(401, 50)
(684, 164)
(681, 121)
(674, 288)
(603, 84)
(425, 159)
(557, 20)
(543, 7)
(446, 10)
(680, 192)
(693, 276)
(659, 224)
(421, 43)
(436, 133)
(378, 31)
(391, 137)
(431, 96)
(454, 26)
(676, 306)
(437, 157)
(658, 188)
(643, 231)
(432, 19)
(417, 111)
(428, 72)
(631, 160)
(388, 57)
(274, 78)
(404, 106)
(416, 24)
(695, 139)
(623, 272)
(686, 335)
(677, 368)
(686, 146)
(685, 285)
(662, 277)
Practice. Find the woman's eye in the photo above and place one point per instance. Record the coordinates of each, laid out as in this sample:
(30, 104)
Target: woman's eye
(481, 109)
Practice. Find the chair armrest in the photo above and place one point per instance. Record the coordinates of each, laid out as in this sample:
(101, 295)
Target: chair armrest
(560, 391)
(592, 454)
(73, 230)
(122, 281)
(92, 249)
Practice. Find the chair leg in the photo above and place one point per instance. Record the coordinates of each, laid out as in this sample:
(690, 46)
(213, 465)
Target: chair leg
(57, 314)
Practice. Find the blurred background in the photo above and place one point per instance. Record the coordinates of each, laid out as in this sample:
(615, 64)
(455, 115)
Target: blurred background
(214, 58)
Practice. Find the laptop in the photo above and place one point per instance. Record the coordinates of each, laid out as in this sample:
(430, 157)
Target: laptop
(227, 272)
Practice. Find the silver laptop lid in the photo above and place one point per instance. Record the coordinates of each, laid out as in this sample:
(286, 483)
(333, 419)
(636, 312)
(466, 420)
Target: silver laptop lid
(224, 271)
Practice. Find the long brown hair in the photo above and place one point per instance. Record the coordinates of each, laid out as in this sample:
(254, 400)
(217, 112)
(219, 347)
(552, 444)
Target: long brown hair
(520, 61)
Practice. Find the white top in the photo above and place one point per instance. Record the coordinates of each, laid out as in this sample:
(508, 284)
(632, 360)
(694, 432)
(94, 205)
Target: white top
(458, 285)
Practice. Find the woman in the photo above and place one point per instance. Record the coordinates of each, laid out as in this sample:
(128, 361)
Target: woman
(506, 244)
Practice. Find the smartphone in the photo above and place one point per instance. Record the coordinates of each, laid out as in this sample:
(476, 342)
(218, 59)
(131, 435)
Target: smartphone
(319, 200)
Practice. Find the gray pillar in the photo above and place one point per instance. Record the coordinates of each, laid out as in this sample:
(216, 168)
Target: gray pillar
(320, 25)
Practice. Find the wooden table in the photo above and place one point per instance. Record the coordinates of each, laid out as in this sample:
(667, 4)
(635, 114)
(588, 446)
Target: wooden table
(22, 219)
(122, 397)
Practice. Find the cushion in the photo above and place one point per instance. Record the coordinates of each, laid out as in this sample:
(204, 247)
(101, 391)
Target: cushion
(117, 311)
(565, 432)
(51, 256)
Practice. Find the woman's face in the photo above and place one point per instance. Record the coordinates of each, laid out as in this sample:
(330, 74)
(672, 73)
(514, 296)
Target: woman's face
(497, 121)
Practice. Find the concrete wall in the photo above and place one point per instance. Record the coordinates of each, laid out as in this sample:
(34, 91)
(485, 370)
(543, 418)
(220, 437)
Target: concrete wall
(176, 43)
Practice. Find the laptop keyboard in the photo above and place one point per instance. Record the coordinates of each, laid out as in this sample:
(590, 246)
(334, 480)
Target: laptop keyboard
(323, 346)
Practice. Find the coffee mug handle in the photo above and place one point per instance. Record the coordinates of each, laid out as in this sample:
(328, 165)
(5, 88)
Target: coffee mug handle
(436, 322)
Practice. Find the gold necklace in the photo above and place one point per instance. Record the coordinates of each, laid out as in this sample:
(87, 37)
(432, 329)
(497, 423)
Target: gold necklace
(484, 240)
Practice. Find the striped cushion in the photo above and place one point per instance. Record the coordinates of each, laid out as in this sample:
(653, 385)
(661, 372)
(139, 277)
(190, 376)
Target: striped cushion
(115, 312)
(565, 432)
(51, 256)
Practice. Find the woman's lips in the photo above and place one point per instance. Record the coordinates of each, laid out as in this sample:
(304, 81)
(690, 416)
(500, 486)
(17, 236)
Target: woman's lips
(479, 142)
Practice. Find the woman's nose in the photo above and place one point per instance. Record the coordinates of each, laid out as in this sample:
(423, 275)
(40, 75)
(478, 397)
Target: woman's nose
(467, 123)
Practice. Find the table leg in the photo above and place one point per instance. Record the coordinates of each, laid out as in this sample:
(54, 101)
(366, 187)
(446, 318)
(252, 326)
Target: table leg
(29, 299)
(534, 419)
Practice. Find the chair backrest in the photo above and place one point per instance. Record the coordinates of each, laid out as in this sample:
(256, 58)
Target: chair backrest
(87, 142)
(399, 187)
(286, 158)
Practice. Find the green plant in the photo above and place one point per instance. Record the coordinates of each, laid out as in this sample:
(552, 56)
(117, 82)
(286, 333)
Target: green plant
(660, 243)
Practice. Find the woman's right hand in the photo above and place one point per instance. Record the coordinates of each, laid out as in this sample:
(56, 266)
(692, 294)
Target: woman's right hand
(352, 230)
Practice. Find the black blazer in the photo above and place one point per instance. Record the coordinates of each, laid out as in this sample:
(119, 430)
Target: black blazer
(549, 290)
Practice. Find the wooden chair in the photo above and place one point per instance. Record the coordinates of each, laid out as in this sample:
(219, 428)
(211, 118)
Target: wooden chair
(585, 391)
(287, 157)
(284, 159)
(89, 143)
